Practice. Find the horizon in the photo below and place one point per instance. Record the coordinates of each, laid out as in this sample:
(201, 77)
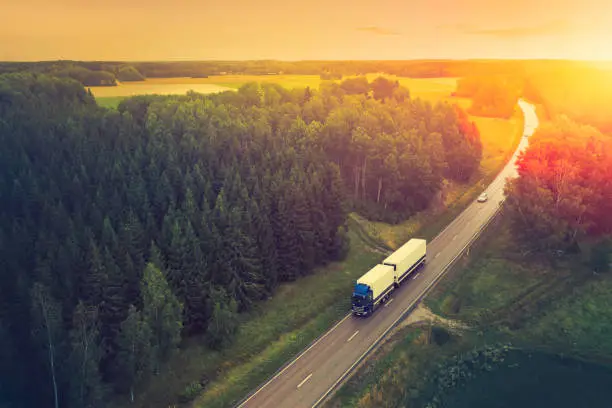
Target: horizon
(159, 30)
(312, 60)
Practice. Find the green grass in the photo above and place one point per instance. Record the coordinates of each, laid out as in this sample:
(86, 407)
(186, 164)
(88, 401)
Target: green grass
(491, 281)
(110, 101)
(579, 323)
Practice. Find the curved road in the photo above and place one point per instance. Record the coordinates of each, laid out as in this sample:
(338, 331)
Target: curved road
(317, 371)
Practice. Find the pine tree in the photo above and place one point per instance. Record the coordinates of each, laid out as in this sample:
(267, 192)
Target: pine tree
(112, 310)
(224, 322)
(109, 237)
(262, 230)
(156, 257)
(237, 267)
(286, 240)
(49, 334)
(300, 214)
(162, 312)
(86, 388)
(135, 360)
(95, 279)
(195, 274)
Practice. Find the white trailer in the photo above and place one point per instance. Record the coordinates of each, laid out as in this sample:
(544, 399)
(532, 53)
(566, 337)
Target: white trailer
(407, 259)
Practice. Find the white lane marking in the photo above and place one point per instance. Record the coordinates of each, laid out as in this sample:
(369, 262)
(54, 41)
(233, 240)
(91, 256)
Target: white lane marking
(352, 336)
(437, 255)
(304, 380)
(294, 361)
(387, 304)
(454, 237)
(415, 276)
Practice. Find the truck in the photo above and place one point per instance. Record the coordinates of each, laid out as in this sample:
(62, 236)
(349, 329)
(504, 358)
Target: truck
(375, 287)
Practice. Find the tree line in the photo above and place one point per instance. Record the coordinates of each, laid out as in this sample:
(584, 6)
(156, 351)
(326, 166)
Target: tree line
(96, 73)
(87, 73)
(561, 201)
(124, 231)
(392, 151)
(492, 95)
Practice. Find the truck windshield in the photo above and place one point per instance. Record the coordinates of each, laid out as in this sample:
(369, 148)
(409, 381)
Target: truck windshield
(359, 300)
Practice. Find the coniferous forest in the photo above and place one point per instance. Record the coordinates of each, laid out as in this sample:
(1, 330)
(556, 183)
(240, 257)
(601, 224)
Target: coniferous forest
(124, 231)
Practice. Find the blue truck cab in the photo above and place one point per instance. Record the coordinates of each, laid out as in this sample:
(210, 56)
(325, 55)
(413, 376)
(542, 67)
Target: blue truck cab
(363, 299)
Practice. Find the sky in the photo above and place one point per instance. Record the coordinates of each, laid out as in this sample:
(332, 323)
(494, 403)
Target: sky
(304, 30)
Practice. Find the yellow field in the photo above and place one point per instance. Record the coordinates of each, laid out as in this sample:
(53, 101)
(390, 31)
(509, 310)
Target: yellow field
(167, 86)
(179, 86)
(498, 138)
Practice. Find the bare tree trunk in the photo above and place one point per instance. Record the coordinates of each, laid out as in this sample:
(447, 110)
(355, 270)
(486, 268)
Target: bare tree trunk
(52, 362)
(45, 311)
(363, 177)
(577, 227)
(83, 365)
(561, 181)
(133, 368)
(379, 190)
(356, 175)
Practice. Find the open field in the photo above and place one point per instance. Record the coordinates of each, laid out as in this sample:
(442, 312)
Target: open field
(217, 83)
(503, 295)
(154, 87)
(110, 96)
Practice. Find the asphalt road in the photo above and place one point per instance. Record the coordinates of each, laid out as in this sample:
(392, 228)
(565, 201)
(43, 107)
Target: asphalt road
(313, 374)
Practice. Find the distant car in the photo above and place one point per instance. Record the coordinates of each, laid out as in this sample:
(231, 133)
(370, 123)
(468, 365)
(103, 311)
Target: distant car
(483, 197)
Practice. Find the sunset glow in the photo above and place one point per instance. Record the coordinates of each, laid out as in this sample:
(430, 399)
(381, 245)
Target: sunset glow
(314, 29)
